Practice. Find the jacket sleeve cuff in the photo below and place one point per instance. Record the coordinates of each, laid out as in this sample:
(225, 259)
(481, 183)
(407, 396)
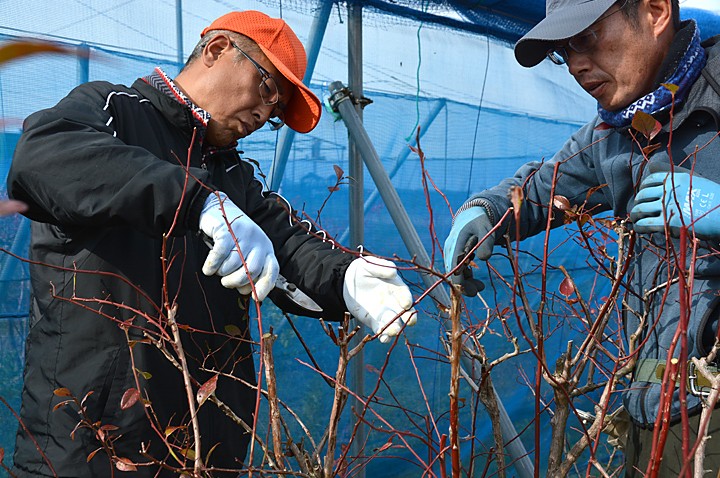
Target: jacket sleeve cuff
(483, 203)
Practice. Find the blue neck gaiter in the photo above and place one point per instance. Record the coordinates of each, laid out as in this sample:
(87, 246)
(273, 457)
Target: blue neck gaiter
(683, 76)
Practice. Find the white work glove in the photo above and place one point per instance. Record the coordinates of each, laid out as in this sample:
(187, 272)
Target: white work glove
(376, 296)
(223, 258)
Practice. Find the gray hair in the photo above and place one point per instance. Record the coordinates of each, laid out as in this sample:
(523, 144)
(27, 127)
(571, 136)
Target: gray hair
(246, 43)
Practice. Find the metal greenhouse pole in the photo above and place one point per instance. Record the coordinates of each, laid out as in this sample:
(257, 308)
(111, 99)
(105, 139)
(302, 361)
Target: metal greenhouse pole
(338, 101)
(286, 136)
(400, 161)
(357, 216)
(179, 33)
(83, 66)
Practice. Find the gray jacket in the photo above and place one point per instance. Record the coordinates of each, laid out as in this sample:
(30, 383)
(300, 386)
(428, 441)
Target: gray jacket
(602, 169)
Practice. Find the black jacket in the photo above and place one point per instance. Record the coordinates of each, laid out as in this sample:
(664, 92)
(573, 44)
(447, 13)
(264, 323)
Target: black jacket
(103, 173)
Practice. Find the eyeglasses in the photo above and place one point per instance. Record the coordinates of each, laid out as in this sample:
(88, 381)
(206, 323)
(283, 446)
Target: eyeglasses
(269, 92)
(583, 41)
(580, 43)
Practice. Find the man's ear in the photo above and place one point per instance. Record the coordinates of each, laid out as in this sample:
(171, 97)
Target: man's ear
(214, 49)
(659, 13)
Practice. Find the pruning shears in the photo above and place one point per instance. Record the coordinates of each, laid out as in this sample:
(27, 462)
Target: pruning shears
(289, 290)
(299, 297)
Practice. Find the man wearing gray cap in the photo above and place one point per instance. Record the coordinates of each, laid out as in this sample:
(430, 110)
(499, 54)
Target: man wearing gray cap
(623, 53)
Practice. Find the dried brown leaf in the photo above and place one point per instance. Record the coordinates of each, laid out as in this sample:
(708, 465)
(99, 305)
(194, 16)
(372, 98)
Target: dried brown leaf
(372, 369)
(92, 454)
(338, 171)
(646, 124)
(384, 447)
(170, 430)
(595, 189)
(647, 150)
(129, 398)
(61, 404)
(87, 395)
(188, 453)
(207, 389)
(62, 392)
(234, 330)
(561, 202)
(133, 343)
(124, 464)
(209, 454)
(671, 87)
(566, 287)
(516, 196)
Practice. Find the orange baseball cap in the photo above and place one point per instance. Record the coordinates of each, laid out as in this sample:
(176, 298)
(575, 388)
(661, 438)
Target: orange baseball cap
(284, 50)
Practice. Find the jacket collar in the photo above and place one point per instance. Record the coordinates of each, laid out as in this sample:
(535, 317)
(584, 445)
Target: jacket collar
(702, 97)
(177, 108)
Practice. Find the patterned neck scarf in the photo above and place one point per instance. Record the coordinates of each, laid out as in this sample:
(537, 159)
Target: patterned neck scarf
(161, 82)
(684, 74)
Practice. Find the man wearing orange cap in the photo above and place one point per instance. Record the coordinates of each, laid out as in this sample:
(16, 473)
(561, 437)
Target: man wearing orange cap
(116, 178)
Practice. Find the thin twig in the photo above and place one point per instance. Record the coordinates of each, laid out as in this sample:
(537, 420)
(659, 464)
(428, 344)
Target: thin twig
(269, 363)
(177, 344)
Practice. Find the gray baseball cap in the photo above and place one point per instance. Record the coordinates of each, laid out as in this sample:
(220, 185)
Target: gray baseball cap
(563, 19)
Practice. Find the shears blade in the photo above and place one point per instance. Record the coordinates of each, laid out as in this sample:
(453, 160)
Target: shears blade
(296, 295)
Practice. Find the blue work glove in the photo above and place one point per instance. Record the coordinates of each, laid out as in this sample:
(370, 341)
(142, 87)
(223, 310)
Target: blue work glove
(666, 197)
(470, 226)
(223, 258)
(376, 296)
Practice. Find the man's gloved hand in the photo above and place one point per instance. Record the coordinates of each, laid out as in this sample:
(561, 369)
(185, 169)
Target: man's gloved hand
(375, 295)
(677, 198)
(223, 258)
(470, 226)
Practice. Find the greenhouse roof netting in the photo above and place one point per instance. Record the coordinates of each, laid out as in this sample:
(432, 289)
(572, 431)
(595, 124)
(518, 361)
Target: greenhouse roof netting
(506, 20)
